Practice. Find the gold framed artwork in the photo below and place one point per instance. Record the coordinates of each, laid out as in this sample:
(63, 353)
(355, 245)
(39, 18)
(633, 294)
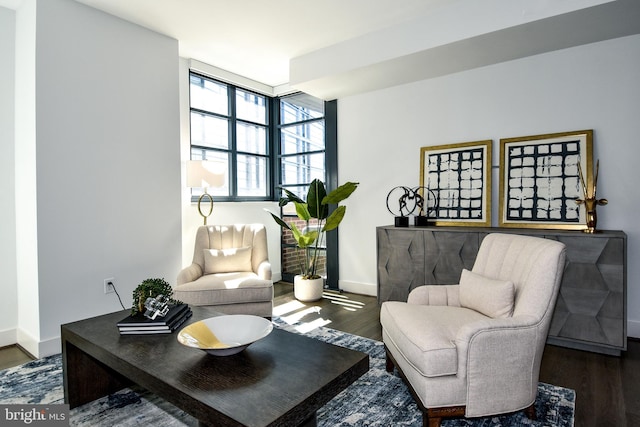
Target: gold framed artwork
(540, 180)
(459, 175)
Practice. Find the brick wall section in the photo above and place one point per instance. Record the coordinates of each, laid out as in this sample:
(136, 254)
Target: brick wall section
(293, 257)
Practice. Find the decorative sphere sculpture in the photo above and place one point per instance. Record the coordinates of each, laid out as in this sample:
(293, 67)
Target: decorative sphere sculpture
(403, 201)
(400, 201)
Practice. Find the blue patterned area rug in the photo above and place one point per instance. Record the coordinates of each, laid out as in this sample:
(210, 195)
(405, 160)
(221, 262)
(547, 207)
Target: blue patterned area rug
(378, 398)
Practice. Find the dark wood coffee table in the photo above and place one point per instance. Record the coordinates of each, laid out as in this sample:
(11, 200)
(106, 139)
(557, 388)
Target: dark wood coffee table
(282, 379)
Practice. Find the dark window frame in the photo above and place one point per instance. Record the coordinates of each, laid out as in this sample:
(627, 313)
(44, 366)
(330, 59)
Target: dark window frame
(330, 119)
(233, 152)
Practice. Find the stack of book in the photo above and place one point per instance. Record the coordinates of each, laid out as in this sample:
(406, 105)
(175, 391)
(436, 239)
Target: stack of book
(139, 324)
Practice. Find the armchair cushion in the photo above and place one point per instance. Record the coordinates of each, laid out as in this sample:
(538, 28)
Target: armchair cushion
(230, 270)
(426, 338)
(435, 295)
(491, 297)
(226, 288)
(227, 260)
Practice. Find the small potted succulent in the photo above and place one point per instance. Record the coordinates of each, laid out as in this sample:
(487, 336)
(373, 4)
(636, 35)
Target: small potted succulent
(151, 288)
(308, 285)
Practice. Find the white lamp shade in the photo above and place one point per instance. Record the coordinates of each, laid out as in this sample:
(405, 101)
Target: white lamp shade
(205, 174)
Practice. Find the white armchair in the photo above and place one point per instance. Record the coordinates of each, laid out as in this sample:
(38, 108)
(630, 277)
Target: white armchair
(474, 349)
(230, 270)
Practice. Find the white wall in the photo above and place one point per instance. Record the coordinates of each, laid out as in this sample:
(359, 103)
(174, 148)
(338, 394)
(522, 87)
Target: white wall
(589, 87)
(8, 288)
(107, 161)
(26, 248)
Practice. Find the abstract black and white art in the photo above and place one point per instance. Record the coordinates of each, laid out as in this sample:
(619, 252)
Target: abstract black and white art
(540, 179)
(460, 177)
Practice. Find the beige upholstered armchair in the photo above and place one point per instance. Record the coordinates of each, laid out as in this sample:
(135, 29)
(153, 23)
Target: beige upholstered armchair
(474, 349)
(230, 270)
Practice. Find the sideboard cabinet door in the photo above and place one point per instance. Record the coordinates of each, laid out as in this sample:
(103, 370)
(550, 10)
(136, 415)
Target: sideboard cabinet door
(447, 254)
(400, 263)
(591, 306)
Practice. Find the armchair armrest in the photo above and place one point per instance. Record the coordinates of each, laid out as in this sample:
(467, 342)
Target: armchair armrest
(189, 274)
(471, 331)
(500, 358)
(435, 295)
(264, 270)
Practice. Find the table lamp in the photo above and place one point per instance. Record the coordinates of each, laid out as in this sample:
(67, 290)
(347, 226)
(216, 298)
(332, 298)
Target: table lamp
(204, 174)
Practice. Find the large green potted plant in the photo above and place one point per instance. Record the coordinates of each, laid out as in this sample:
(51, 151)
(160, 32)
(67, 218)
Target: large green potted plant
(308, 285)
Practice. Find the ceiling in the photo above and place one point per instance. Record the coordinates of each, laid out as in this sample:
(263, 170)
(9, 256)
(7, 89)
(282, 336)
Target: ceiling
(257, 38)
(336, 48)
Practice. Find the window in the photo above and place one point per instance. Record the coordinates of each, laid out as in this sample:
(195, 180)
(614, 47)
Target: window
(302, 144)
(302, 159)
(231, 125)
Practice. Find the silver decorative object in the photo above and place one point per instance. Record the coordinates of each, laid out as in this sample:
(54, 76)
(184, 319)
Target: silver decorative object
(158, 306)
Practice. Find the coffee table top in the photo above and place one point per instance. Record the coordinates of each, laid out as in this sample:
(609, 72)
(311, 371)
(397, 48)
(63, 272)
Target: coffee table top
(283, 378)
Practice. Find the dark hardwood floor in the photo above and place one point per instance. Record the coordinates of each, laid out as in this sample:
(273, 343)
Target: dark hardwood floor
(607, 387)
(12, 355)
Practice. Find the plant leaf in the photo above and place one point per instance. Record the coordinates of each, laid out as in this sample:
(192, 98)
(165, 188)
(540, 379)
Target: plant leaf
(307, 239)
(340, 193)
(283, 201)
(315, 196)
(335, 218)
(279, 221)
(304, 239)
(292, 197)
(302, 210)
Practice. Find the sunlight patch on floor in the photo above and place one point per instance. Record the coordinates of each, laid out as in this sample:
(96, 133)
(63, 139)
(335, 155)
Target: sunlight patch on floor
(288, 307)
(295, 312)
(295, 317)
(310, 326)
(343, 301)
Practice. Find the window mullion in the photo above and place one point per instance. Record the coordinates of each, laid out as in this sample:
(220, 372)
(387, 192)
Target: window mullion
(273, 144)
(233, 135)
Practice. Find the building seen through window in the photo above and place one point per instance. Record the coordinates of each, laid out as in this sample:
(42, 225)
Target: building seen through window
(231, 125)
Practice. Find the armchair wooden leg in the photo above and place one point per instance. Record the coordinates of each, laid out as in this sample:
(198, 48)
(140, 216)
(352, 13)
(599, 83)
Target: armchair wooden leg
(432, 417)
(430, 421)
(389, 365)
(530, 412)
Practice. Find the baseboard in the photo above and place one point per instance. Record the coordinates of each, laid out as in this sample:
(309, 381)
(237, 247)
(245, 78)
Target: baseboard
(633, 328)
(38, 349)
(358, 288)
(28, 343)
(8, 337)
(50, 347)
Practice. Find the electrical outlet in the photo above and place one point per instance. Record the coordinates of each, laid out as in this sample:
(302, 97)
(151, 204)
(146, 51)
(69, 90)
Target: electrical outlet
(109, 285)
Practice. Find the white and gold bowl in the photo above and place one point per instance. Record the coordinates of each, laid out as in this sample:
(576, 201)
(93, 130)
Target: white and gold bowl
(225, 335)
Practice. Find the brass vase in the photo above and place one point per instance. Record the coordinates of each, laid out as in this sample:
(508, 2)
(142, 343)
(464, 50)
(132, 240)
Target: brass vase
(590, 201)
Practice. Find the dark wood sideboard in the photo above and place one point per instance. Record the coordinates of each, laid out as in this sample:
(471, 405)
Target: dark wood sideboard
(591, 311)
